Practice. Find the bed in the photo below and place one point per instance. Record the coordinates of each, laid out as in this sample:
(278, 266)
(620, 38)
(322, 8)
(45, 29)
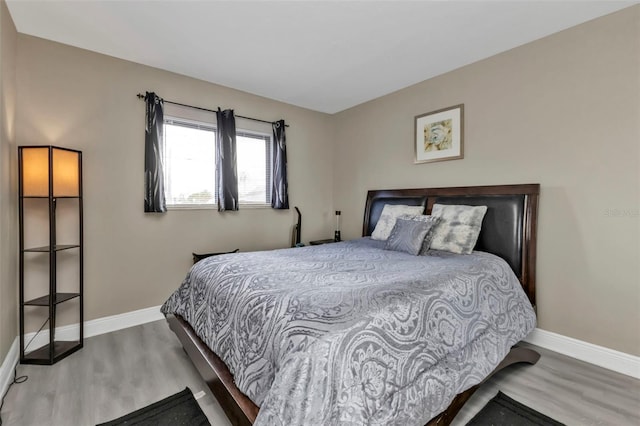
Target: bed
(316, 359)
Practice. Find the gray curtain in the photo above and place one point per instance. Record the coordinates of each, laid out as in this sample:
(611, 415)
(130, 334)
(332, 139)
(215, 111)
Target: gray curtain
(226, 161)
(154, 201)
(279, 187)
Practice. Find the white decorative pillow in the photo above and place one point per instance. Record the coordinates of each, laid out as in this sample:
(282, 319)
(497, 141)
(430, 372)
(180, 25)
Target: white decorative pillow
(458, 229)
(390, 213)
(432, 221)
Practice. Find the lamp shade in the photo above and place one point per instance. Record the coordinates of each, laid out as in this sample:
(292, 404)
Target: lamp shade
(41, 164)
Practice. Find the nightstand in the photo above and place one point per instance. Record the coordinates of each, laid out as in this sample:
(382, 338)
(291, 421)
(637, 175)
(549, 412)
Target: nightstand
(320, 242)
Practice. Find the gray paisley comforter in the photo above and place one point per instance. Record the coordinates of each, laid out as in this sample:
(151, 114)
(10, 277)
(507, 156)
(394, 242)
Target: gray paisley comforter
(351, 334)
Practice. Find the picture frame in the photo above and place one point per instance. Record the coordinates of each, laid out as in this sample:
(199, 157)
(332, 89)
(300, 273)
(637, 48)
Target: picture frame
(439, 135)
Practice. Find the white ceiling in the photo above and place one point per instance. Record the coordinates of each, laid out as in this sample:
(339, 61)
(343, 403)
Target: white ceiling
(322, 55)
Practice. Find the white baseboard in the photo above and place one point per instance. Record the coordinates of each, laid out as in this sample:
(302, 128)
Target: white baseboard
(118, 322)
(96, 327)
(593, 354)
(6, 369)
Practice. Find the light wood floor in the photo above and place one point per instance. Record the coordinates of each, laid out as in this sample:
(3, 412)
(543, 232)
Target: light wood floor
(119, 372)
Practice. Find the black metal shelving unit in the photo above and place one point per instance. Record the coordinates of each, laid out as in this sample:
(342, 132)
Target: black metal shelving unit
(54, 160)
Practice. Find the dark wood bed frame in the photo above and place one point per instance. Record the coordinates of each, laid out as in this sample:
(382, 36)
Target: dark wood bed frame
(242, 411)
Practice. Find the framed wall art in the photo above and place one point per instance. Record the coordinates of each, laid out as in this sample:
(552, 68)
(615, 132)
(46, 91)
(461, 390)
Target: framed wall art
(440, 135)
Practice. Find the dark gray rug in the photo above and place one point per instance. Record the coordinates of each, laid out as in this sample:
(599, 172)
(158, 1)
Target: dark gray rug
(504, 411)
(176, 410)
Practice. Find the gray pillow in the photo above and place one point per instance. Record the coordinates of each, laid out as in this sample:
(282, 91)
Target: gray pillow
(407, 236)
(459, 227)
(432, 221)
(388, 217)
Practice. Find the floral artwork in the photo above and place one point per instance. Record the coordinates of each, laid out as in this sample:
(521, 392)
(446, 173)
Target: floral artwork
(439, 135)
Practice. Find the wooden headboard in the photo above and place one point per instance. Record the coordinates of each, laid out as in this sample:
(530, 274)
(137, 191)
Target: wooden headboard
(509, 228)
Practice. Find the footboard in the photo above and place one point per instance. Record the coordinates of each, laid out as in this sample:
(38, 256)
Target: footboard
(516, 355)
(240, 410)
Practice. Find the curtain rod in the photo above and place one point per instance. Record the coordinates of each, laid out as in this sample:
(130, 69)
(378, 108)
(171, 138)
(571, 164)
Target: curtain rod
(141, 96)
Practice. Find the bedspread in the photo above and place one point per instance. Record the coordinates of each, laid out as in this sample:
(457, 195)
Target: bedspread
(351, 334)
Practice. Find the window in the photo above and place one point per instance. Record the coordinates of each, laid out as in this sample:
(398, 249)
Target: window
(254, 167)
(190, 159)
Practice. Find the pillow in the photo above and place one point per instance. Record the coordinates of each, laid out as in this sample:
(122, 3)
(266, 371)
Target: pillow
(432, 221)
(407, 236)
(458, 229)
(390, 213)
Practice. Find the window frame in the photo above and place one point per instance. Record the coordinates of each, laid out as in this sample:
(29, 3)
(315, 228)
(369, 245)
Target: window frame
(203, 125)
(268, 141)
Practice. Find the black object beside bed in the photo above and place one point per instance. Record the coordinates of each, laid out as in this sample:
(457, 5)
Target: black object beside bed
(197, 257)
(509, 231)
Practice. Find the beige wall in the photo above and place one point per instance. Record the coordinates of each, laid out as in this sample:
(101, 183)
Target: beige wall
(563, 111)
(79, 99)
(8, 198)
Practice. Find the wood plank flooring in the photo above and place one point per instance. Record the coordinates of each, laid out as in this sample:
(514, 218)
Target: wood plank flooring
(119, 372)
(570, 391)
(113, 374)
